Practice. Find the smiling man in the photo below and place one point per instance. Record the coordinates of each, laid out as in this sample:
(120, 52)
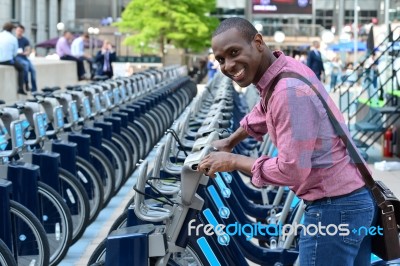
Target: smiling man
(312, 160)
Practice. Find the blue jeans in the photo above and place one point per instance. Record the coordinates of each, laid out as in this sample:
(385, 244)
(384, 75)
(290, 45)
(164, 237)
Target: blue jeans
(28, 68)
(354, 248)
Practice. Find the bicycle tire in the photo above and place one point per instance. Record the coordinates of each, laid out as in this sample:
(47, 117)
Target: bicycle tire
(140, 139)
(99, 254)
(6, 257)
(132, 141)
(77, 200)
(126, 152)
(120, 222)
(148, 130)
(147, 137)
(107, 173)
(191, 257)
(117, 162)
(99, 263)
(56, 219)
(156, 128)
(20, 215)
(85, 173)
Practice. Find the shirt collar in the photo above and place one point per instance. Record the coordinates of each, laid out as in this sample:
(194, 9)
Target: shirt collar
(274, 69)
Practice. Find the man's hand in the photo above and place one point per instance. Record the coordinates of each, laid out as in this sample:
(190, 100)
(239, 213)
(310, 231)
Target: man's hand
(225, 162)
(217, 162)
(222, 145)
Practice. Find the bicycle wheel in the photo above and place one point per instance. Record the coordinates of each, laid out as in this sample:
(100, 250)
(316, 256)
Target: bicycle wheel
(75, 196)
(117, 160)
(126, 152)
(140, 139)
(120, 222)
(91, 180)
(106, 171)
(99, 263)
(30, 244)
(188, 257)
(134, 146)
(148, 131)
(99, 254)
(56, 220)
(6, 257)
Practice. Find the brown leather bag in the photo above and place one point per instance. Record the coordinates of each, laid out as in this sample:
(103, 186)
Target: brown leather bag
(386, 246)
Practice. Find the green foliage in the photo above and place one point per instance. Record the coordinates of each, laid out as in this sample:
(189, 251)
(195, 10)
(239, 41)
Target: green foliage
(184, 23)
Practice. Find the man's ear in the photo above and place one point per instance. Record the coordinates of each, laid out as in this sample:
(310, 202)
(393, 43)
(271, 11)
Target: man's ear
(259, 42)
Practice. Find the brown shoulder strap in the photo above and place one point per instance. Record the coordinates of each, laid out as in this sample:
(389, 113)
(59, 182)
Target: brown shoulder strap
(271, 90)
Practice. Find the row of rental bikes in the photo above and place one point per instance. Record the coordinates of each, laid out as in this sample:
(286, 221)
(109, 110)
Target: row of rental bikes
(65, 154)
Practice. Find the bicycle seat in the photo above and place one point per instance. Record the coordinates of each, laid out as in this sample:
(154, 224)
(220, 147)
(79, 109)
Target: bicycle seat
(8, 115)
(51, 89)
(31, 108)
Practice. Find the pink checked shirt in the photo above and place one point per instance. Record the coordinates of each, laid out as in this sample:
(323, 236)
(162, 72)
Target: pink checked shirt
(312, 160)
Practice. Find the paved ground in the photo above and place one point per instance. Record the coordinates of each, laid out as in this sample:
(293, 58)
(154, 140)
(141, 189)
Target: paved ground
(80, 252)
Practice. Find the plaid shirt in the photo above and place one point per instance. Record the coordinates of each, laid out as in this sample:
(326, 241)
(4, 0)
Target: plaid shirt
(312, 160)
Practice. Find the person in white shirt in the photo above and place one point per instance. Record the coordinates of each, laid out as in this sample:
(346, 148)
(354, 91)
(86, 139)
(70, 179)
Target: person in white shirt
(78, 49)
(8, 52)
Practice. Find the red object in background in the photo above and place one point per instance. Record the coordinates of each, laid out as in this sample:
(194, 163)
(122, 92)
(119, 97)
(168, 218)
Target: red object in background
(387, 143)
(284, 1)
(395, 140)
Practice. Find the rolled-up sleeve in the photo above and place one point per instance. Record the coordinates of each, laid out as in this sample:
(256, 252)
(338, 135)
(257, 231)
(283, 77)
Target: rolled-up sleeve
(296, 122)
(254, 122)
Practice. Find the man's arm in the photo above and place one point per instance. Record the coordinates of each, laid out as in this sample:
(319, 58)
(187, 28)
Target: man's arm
(27, 48)
(230, 142)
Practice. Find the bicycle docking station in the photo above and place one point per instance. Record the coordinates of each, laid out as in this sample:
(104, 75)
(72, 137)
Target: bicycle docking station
(139, 238)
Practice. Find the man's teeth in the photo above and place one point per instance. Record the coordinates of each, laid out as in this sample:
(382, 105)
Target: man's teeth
(239, 73)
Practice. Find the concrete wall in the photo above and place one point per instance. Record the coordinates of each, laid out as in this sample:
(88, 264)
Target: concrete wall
(48, 73)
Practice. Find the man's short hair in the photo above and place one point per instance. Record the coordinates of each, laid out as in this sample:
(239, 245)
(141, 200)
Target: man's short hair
(85, 35)
(20, 26)
(8, 26)
(247, 29)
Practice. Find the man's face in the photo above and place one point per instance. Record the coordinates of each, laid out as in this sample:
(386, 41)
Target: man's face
(68, 36)
(19, 32)
(238, 59)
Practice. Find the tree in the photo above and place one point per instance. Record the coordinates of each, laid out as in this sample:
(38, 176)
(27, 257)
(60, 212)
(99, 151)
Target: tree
(183, 23)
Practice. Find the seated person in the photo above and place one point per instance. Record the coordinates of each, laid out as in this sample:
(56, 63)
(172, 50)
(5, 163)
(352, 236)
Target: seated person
(24, 50)
(63, 49)
(104, 59)
(78, 49)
